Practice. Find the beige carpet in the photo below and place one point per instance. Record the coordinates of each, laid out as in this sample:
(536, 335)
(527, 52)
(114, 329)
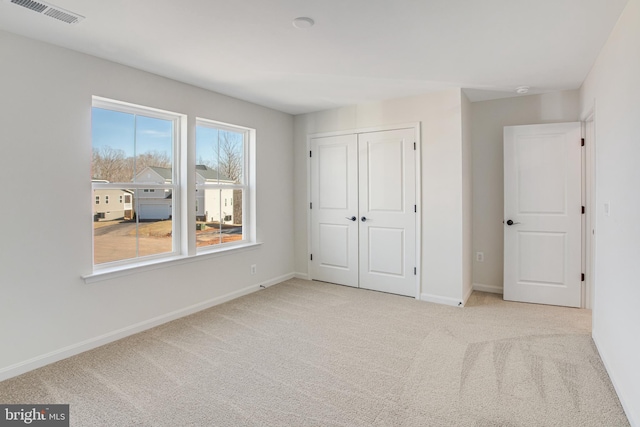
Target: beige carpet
(313, 354)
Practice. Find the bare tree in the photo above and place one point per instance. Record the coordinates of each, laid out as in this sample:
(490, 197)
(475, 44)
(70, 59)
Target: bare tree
(113, 165)
(108, 164)
(230, 155)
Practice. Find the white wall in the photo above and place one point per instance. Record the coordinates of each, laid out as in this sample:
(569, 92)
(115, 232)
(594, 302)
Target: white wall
(613, 87)
(45, 110)
(442, 201)
(488, 119)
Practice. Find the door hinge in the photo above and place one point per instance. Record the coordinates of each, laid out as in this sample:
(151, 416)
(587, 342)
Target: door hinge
(582, 142)
(311, 257)
(582, 277)
(414, 146)
(310, 205)
(310, 154)
(415, 208)
(583, 210)
(415, 271)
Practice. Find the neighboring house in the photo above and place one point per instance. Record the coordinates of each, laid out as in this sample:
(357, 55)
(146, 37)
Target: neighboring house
(212, 204)
(153, 203)
(111, 204)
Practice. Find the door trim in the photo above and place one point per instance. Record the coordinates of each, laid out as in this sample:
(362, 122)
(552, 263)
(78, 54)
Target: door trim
(416, 126)
(590, 237)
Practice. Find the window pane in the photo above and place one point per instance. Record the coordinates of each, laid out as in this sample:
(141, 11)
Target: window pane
(112, 137)
(119, 233)
(215, 222)
(130, 147)
(220, 154)
(206, 154)
(153, 150)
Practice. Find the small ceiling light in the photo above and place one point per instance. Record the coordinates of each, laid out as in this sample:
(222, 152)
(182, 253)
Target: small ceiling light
(522, 90)
(303, 22)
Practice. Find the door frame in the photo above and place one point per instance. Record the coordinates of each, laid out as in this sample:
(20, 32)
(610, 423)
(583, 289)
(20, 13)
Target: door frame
(416, 127)
(590, 203)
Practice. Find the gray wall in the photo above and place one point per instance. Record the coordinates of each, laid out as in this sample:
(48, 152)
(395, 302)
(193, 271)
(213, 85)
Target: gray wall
(612, 92)
(47, 311)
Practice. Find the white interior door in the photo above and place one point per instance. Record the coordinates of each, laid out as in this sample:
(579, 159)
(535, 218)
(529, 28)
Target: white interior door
(387, 211)
(363, 203)
(334, 209)
(542, 214)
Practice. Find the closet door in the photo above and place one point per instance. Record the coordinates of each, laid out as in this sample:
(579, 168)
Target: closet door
(334, 209)
(387, 217)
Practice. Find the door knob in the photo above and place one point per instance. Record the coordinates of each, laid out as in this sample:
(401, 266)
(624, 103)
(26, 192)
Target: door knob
(353, 218)
(509, 222)
(363, 219)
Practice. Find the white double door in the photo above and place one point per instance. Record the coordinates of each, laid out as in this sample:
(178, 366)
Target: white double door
(363, 210)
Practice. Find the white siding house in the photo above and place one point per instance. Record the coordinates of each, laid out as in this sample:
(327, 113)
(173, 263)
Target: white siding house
(214, 204)
(112, 204)
(153, 203)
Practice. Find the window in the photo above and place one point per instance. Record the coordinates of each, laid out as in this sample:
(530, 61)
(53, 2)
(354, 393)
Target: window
(134, 150)
(135, 158)
(221, 173)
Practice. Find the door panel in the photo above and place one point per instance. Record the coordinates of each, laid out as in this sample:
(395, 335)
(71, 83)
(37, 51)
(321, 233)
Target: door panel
(387, 215)
(334, 198)
(385, 174)
(386, 251)
(542, 196)
(333, 182)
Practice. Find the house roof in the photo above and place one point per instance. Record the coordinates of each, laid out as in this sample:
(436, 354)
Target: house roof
(210, 174)
(207, 173)
(163, 172)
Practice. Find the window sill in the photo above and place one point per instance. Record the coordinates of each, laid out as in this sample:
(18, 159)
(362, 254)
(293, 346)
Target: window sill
(112, 273)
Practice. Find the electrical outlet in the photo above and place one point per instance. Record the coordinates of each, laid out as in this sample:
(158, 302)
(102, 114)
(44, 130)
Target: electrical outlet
(480, 256)
(253, 269)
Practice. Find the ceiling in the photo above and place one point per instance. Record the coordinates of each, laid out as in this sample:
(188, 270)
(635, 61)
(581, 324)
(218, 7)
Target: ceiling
(357, 51)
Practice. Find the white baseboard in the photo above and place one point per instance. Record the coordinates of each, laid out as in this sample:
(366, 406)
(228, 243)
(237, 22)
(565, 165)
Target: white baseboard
(467, 295)
(91, 343)
(441, 300)
(634, 418)
(487, 288)
(303, 276)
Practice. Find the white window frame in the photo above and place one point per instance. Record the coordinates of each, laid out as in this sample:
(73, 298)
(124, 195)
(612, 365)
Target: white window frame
(178, 121)
(183, 206)
(247, 186)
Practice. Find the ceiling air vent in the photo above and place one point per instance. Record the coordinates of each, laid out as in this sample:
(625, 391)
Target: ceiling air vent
(50, 10)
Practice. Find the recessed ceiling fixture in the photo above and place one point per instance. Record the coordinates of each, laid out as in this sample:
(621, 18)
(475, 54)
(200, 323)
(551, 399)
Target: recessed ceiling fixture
(522, 90)
(50, 10)
(303, 22)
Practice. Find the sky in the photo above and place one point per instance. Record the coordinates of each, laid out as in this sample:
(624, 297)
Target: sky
(130, 133)
(137, 134)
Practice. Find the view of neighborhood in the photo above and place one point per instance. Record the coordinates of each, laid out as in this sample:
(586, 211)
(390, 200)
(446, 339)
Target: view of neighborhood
(132, 221)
